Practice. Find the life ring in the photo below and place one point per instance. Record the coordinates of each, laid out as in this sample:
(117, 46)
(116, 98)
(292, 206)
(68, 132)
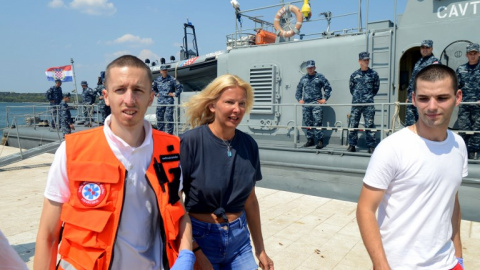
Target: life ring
(298, 24)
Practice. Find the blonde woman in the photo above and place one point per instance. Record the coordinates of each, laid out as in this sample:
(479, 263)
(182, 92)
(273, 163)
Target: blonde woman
(221, 165)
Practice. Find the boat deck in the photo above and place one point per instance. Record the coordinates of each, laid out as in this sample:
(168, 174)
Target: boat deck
(300, 231)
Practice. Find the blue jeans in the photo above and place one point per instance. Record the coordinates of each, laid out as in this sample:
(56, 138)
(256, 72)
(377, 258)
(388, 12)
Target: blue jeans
(226, 245)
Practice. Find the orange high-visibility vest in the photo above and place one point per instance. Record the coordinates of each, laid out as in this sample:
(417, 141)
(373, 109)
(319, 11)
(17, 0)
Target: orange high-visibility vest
(97, 184)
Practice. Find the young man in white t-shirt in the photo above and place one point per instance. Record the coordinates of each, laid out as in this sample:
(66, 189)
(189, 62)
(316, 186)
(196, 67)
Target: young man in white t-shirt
(413, 179)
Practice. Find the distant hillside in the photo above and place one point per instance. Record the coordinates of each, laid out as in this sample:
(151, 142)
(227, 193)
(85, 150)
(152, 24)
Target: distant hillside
(24, 97)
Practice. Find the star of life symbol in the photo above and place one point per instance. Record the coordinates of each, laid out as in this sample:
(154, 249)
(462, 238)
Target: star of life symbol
(91, 194)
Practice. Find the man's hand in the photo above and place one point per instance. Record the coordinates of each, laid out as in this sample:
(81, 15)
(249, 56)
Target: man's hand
(321, 101)
(301, 101)
(171, 94)
(185, 260)
(72, 126)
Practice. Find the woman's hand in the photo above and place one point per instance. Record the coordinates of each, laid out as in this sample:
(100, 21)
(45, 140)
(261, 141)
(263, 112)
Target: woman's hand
(202, 262)
(264, 261)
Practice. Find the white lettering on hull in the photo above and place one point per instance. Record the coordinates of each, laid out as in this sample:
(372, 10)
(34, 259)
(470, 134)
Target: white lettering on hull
(458, 10)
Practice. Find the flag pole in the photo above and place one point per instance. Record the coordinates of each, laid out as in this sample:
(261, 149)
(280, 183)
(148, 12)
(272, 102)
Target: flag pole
(74, 82)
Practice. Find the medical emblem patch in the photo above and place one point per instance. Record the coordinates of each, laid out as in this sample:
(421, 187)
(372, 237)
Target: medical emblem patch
(91, 194)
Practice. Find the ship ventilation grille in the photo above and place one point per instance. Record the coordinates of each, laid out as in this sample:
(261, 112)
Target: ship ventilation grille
(263, 81)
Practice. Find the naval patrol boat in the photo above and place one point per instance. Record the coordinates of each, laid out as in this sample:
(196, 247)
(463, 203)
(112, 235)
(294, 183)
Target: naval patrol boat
(271, 54)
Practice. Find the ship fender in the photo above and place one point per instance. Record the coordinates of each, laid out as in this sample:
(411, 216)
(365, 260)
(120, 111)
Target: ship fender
(280, 31)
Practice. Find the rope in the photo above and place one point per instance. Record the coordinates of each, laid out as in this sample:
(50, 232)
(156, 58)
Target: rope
(5, 138)
(396, 117)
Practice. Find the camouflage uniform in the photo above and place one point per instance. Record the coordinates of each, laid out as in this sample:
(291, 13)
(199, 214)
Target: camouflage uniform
(88, 98)
(364, 85)
(54, 93)
(412, 114)
(102, 107)
(162, 87)
(65, 118)
(309, 90)
(469, 115)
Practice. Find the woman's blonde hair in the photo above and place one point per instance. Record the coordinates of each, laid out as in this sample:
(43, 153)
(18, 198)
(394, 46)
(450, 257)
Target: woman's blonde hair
(197, 109)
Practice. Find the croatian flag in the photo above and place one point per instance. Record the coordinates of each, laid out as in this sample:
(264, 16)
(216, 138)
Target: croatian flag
(63, 73)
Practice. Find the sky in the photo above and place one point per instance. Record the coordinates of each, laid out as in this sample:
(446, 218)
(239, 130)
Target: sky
(38, 34)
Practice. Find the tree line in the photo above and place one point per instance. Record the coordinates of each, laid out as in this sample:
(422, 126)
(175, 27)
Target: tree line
(25, 97)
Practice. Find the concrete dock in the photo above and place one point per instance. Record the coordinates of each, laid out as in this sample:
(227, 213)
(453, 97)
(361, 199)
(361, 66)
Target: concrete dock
(300, 231)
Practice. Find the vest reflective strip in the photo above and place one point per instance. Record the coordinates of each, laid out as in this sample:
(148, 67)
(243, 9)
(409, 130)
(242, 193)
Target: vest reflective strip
(66, 265)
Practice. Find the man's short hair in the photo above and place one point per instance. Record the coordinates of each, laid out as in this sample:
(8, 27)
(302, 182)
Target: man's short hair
(127, 61)
(436, 72)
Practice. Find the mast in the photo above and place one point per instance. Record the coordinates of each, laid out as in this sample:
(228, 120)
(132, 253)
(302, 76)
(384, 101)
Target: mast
(74, 82)
(359, 16)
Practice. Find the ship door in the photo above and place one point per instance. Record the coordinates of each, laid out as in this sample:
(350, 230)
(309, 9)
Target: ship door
(454, 54)
(407, 63)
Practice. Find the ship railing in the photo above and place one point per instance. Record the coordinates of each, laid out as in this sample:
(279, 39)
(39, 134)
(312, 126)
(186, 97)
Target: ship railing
(93, 113)
(40, 115)
(295, 125)
(178, 126)
(387, 116)
(37, 115)
(243, 36)
(243, 39)
(30, 115)
(385, 127)
(387, 113)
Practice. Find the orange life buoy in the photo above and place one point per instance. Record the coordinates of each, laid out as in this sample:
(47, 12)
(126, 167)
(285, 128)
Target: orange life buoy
(298, 24)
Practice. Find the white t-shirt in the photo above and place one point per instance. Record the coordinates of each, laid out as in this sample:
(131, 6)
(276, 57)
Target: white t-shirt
(9, 258)
(420, 179)
(138, 243)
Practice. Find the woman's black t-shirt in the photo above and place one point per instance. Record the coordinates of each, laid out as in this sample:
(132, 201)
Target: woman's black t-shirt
(212, 179)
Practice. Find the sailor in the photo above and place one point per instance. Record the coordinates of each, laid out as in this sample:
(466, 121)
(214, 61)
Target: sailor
(66, 121)
(166, 88)
(88, 98)
(364, 85)
(102, 107)
(469, 114)
(426, 50)
(54, 95)
(309, 91)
